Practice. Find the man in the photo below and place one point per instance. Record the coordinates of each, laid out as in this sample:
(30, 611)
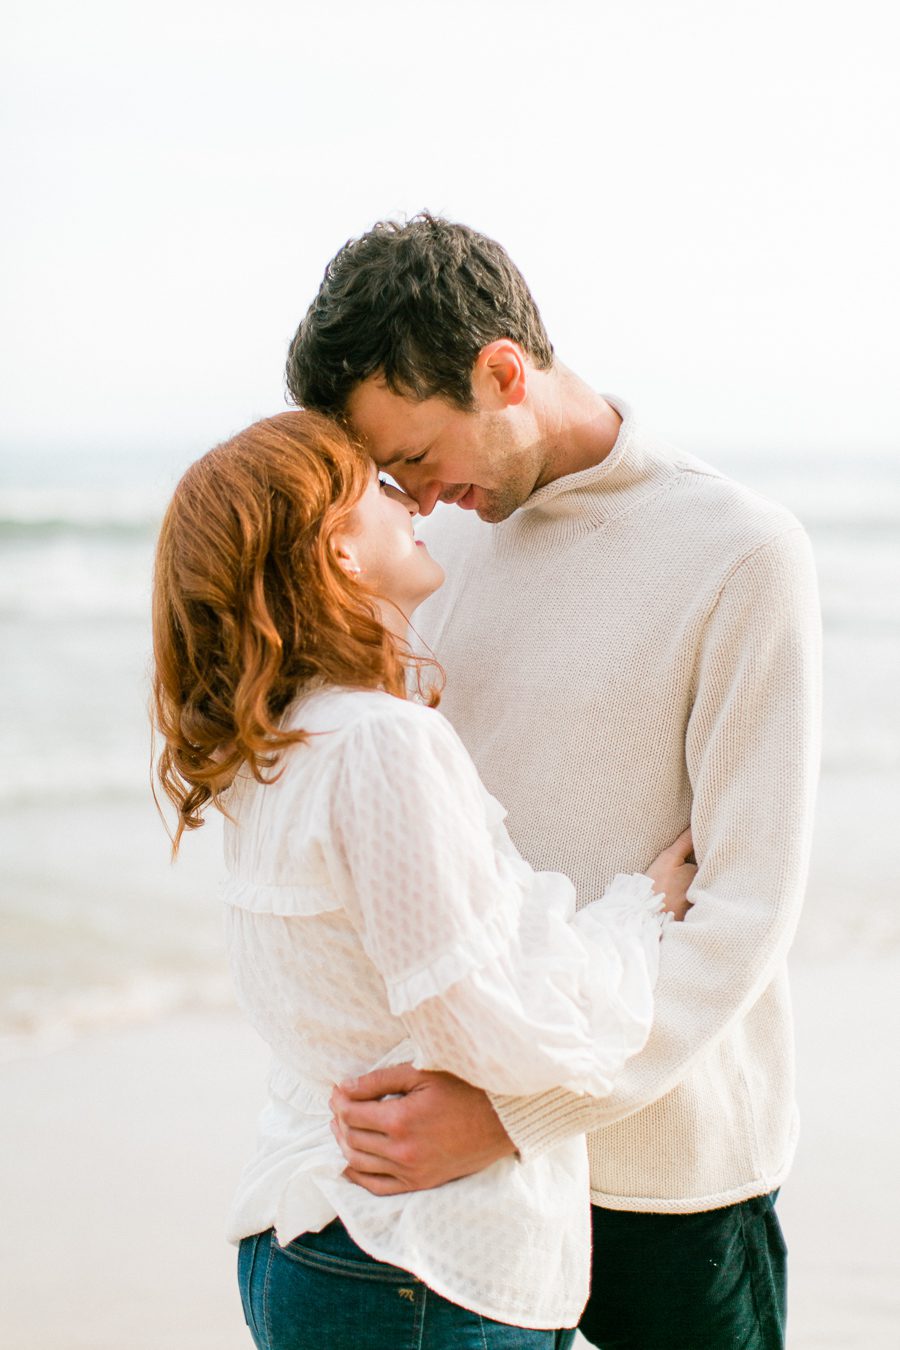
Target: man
(631, 643)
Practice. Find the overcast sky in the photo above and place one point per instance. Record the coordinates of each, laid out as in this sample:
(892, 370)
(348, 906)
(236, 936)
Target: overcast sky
(703, 197)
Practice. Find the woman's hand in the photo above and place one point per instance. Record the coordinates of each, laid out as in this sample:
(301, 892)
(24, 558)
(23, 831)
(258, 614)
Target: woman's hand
(672, 874)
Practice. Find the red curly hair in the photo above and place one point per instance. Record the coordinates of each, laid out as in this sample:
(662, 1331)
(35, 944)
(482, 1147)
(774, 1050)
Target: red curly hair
(250, 604)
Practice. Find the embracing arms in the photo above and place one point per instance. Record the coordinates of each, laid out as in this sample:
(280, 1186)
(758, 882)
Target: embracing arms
(483, 959)
(751, 755)
(403, 1128)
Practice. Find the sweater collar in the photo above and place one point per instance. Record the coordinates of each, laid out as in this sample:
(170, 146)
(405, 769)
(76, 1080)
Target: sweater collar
(596, 494)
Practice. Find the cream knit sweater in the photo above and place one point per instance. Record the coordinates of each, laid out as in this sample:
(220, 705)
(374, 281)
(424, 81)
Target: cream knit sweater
(637, 647)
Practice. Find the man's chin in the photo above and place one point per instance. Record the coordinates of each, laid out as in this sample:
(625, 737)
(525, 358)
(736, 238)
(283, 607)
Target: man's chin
(490, 506)
(494, 511)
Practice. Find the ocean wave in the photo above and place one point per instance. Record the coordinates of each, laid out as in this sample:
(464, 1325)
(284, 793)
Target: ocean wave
(48, 528)
(855, 526)
(77, 601)
(65, 574)
(30, 1022)
(828, 494)
(37, 512)
(50, 793)
(74, 779)
(875, 755)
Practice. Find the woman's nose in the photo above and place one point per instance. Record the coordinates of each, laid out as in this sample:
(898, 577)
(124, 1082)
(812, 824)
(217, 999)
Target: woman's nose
(404, 498)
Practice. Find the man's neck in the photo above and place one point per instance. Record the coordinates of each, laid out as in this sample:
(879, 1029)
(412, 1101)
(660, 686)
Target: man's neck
(580, 427)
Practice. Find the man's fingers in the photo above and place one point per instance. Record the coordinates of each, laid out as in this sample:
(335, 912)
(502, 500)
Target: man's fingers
(363, 1141)
(373, 1116)
(683, 846)
(376, 1184)
(359, 1159)
(365, 1163)
(369, 1141)
(398, 1078)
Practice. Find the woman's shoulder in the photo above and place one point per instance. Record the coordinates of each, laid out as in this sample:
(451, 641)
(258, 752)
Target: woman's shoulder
(367, 737)
(363, 731)
(353, 712)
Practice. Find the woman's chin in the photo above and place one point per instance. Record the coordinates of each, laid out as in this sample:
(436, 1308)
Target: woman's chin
(437, 580)
(435, 583)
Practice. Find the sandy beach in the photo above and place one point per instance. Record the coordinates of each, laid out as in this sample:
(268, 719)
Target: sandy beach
(120, 1153)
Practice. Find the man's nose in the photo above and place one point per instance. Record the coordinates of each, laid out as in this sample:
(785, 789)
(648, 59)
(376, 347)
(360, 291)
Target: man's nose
(427, 497)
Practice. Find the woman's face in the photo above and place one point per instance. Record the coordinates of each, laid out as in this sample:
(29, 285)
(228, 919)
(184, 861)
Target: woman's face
(380, 547)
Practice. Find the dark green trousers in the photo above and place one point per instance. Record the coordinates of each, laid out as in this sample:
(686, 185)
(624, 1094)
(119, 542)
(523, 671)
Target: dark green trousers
(711, 1281)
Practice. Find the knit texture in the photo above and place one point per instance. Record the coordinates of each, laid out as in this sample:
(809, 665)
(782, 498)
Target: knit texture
(637, 648)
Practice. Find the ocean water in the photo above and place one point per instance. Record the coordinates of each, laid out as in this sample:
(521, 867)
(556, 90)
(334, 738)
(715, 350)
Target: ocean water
(100, 928)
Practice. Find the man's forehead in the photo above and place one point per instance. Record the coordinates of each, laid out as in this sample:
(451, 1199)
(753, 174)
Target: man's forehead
(386, 422)
(373, 399)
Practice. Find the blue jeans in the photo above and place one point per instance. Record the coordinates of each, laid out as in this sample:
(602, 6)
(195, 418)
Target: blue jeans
(689, 1281)
(322, 1292)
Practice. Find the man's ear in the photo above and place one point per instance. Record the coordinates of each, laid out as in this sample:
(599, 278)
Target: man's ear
(500, 375)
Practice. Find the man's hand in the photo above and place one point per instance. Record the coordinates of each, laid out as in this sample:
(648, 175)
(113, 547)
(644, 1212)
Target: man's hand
(402, 1129)
(673, 874)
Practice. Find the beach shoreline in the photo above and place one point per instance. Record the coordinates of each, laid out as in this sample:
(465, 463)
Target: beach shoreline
(122, 1151)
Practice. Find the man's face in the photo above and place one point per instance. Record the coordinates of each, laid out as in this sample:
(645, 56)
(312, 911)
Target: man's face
(438, 452)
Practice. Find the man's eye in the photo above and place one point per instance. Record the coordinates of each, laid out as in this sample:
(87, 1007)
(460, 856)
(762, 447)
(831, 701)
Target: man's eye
(416, 459)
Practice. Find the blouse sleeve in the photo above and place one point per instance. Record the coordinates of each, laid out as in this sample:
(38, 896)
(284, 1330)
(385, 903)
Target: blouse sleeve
(484, 960)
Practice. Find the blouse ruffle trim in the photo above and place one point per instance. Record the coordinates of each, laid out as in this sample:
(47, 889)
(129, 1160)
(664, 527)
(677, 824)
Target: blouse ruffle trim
(304, 1094)
(631, 895)
(469, 954)
(313, 897)
(494, 811)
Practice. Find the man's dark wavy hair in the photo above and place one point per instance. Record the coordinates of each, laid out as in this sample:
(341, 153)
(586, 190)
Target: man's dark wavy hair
(416, 302)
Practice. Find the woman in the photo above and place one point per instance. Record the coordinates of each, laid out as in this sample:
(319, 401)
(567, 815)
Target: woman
(376, 908)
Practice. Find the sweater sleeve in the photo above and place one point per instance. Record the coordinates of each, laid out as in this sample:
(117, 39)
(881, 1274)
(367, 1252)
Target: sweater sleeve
(752, 752)
(484, 961)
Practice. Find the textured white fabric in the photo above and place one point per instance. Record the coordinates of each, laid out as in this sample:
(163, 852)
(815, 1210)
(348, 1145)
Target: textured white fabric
(634, 650)
(376, 912)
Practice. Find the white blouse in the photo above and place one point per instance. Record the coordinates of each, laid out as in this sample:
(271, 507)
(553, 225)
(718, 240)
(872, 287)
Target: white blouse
(377, 912)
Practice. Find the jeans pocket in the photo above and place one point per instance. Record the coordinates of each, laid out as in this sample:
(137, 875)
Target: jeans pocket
(250, 1253)
(352, 1263)
(321, 1291)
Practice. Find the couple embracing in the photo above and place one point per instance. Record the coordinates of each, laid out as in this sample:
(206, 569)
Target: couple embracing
(520, 960)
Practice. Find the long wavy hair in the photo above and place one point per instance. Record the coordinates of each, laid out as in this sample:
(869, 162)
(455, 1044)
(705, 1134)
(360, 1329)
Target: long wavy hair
(250, 604)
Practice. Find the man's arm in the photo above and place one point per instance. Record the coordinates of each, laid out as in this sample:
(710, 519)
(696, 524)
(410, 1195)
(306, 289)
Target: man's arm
(752, 757)
(438, 1129)
(752, 752)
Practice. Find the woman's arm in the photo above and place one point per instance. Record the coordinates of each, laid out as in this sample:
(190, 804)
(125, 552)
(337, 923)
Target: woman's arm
(480, 958)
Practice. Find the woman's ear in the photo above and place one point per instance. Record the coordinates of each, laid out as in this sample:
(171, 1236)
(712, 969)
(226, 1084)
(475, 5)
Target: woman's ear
(346, 559)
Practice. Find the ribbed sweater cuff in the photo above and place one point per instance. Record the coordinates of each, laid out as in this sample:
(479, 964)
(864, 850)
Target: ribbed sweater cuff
(535, 1124)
